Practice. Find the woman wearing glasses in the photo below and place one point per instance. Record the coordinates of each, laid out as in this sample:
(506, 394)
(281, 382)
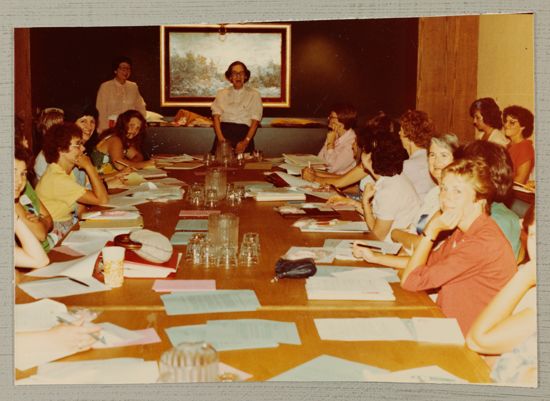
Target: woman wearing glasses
(58, 189)
(237, 110)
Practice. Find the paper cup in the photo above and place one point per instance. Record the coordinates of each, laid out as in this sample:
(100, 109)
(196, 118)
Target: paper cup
(113, 265)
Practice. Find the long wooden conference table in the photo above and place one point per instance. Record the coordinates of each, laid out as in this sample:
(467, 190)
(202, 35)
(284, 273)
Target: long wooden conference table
(136, 306)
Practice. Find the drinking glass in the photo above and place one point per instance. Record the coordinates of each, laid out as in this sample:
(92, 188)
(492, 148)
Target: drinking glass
(194, 251)
(113, 265)
(211, 197)
(228, 256)
(189, 362)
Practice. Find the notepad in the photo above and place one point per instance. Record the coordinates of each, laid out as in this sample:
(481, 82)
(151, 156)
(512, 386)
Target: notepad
(61, 287)
(192, 225)
(189, 303)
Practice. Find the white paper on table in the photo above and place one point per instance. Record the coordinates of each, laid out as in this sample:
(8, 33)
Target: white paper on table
(168, 181)
(336, 226)
(291, 169)
(296, 182)
(385, 273)
(438, 330)
(425, 374)
(134, 270)
(88, 241)
(77, 268)
(354, 288)
(61, 287)
(115, 335)
(320, 255)
(111, 215)
(363, 329)
(102, 371)
(175, 159)
(237, 375)
(37, 316)
(26, 360)
(303, 160)
(344, 247)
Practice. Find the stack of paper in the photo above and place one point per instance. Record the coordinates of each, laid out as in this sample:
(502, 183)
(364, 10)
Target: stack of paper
(192, 225)
(189, 303)
(235, 334)
(151, 173)
(137, 267)
(174, 159)
(328, 368)
(304, 160)
(112, 219)
(103, 371)
(370, 273)
(354, 288)
(343, 249)
(278, 194)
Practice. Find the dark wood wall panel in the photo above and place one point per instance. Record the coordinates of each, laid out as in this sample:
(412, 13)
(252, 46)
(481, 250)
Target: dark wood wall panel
(447, 72)
(22, 80)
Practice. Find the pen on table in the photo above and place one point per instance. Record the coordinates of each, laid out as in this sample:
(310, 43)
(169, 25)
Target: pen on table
(374, 248)
(126, 165)
(94, 336)
(308, 164)
(78, 281)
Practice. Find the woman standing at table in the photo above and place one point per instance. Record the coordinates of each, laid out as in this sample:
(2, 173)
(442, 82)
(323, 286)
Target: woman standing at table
(237, 110)
(416, 131)
(119, 148)
(486, 116)
(118, 95)
(58, 189)
(518, 127)
(476, 261)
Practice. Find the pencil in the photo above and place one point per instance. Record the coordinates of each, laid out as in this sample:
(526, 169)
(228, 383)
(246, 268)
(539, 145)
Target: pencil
(78, 281)
(125, 165)
(94, 336)
(374, 248)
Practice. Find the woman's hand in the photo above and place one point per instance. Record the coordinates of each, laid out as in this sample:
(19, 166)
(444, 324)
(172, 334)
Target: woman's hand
(241, 146)
(308, 174)
(83, 162)
(364, 253)
(447, 220)
(74, 337)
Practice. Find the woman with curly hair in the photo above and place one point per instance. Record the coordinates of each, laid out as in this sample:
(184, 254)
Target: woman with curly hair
(416, 132)
(518, 126)
(120, 146)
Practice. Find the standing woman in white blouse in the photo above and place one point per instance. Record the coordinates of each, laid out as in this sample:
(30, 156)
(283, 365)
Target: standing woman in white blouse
(237, 110)
(118, 95)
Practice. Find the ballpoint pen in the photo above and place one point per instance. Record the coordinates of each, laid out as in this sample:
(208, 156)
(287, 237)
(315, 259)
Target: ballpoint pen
(94, 336)
(373, 247)
(78, 281)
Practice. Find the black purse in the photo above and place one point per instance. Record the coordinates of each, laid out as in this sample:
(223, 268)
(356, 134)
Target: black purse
(300, 268)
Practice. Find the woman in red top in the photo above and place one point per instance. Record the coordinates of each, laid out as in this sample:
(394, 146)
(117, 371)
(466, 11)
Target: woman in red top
(477, 260)
(518, 127)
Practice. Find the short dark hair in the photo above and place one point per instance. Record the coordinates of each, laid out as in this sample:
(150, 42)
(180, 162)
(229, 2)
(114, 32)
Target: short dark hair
(76, 110)
(388, 154)
(233, 64)
(58, 139)
(23, 154)
(525, 118)
(347, 114)
(384, 122)
(120, 59)
(499, 162)
(489, 110)
(417, 127)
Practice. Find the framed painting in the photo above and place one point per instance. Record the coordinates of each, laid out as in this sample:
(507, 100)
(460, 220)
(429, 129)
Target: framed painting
(194, 59)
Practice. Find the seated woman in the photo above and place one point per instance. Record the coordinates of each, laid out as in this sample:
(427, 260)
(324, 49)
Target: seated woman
(28, 250)
(46, 119)
(476, 260)
(27, 205)
(416, 131)
(487, 119)
(58, 188)
(380, 122)
(441, 154)
(119, 147)
(500, 166)
(518, 127)
(340, 148)
(508, 325)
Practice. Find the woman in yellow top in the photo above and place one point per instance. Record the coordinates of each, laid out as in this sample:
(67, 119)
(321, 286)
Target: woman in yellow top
(58, 189)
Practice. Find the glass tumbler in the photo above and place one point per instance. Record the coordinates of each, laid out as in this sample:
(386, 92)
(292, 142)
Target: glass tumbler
(189, 362)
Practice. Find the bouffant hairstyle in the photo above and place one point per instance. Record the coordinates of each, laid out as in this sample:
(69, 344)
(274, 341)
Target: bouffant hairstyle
(58, 139)
(121, 129)
(234, 63)
(347, 114)
(499, 162)
(524, 116)
(118, 60)
(47, 118)
(477, 172)
(448, 141)
(417, 127)
(387, 154)
(489, 110)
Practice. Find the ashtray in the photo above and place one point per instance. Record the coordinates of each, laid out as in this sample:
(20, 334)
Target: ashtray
(125, 241)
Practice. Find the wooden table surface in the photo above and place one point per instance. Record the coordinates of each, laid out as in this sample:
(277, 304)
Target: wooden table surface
(135, 305)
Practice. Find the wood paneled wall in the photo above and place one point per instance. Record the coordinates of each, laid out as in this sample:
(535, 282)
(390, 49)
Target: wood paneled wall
(447, 72)
(22, 80)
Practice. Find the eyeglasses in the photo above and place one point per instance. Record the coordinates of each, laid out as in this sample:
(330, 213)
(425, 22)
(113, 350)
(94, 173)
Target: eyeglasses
(236, 74)
(79, 144)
